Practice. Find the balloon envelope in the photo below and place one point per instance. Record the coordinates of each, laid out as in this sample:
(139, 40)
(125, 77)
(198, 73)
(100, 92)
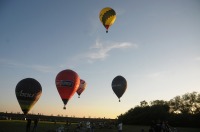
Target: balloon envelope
(119, 86)
(67, 83)
(81, 87)
(28, 91)
(107, 17)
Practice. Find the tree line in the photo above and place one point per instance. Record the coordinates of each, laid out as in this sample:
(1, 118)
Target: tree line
(181, 111)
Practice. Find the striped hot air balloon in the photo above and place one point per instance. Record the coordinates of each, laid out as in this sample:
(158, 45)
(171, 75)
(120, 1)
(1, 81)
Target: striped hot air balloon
(81, 87)
(107, 17)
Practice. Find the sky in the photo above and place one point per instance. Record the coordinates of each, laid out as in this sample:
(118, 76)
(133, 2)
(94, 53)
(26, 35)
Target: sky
(154, 44)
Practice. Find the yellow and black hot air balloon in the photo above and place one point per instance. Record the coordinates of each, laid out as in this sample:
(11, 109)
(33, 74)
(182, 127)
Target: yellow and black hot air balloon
(107, 17)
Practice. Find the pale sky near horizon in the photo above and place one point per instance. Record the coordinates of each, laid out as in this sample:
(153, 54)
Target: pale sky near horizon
(154, 44)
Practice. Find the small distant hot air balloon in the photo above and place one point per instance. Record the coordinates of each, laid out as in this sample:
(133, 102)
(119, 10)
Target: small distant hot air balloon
(28, 91)
(67, 83)
(119, 86)
(107, 17)
(81, 87)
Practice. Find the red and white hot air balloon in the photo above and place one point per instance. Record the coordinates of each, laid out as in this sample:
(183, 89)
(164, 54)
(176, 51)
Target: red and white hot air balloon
(81, 87)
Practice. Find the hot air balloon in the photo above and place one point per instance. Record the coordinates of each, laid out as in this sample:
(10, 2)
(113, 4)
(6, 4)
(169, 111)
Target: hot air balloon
(107, 17)
(81, 87)
(119, 86)
(28, 91)
(67, 83)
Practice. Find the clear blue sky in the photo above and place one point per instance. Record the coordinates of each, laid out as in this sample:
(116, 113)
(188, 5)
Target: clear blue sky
(154, 44)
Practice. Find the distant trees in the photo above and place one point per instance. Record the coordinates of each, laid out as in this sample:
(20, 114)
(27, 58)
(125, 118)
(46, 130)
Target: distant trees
(188, 103)
(180, 111)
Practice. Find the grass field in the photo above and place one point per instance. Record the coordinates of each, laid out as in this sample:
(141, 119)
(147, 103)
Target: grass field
(20, 126)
